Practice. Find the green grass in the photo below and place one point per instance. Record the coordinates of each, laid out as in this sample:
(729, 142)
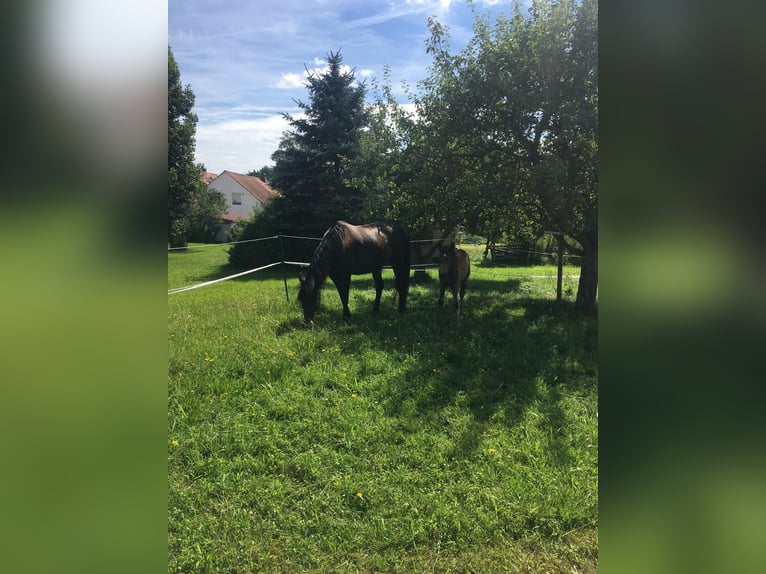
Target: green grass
(423, 442)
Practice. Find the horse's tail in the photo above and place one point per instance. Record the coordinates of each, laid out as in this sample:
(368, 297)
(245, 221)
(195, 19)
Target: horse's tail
(400, 261)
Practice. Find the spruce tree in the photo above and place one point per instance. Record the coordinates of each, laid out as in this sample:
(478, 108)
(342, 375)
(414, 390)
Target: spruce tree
(313, 163)
(313, 170)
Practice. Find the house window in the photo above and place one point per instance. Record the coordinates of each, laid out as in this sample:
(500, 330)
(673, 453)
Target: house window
(236, 199)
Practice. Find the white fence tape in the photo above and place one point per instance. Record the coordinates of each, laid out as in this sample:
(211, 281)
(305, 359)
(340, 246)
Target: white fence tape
(190, 287)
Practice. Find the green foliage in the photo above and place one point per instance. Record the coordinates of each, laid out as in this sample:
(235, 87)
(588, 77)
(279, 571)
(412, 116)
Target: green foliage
(408, 443)
(506, 139)
(264, 223)
(379, 171)
(183, 174)
(205, 214)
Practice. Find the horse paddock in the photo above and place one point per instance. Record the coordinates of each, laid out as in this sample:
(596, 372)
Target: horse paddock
(401, 442)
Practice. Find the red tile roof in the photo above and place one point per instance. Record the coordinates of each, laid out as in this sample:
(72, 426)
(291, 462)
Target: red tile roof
(207, 177)
(254, 185)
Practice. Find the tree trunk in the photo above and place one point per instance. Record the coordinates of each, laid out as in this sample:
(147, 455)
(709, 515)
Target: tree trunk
(586, 290)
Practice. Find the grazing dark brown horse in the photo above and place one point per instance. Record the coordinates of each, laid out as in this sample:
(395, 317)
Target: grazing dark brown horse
(347, 250)
(454, 270)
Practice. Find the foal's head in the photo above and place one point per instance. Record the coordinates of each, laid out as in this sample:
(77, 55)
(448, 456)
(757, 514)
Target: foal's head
(446, 258)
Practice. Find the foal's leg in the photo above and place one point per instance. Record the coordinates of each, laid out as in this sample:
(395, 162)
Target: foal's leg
(462, 289)
(442, 286)
(455, 304)
(378, 278)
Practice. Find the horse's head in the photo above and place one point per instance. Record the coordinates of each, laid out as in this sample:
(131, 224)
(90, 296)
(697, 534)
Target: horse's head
(446, 257)
(309, 295)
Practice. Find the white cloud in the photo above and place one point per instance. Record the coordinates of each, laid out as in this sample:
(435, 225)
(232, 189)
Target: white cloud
(290, 81)
(239, 145)
(398, 9)
(443, 3)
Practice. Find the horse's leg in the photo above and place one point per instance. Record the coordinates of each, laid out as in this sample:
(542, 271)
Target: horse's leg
(442, 286)
(343, 284)
(378, 278)
(402, 278)
(455, 304)
(462, 289)
(464, 282)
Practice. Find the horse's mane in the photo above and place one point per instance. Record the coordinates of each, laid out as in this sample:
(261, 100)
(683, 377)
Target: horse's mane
(319, 266)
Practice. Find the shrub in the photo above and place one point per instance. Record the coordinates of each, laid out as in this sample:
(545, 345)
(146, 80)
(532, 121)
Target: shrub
(266, 224)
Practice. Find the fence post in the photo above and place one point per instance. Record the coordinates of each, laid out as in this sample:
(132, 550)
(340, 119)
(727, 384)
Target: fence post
(284, 275)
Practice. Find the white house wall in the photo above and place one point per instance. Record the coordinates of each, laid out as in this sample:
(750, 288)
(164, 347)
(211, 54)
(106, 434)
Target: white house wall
(222, 232)
(228, 186)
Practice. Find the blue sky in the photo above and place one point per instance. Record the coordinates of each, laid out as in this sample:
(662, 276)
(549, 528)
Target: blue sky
(246, 61)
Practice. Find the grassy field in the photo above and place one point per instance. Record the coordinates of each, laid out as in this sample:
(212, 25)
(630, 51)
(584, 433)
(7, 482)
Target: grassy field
(415, 443)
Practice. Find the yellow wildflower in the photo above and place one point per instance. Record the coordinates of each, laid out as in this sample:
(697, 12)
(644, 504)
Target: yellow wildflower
(174, 442)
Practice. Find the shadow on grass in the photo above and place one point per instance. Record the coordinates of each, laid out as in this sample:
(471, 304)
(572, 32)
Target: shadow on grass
(502, 354)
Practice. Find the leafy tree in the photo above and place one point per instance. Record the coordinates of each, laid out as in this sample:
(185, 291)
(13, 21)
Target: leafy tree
(508, 130)
(207, 206)
(183, 174)
(379, 169)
